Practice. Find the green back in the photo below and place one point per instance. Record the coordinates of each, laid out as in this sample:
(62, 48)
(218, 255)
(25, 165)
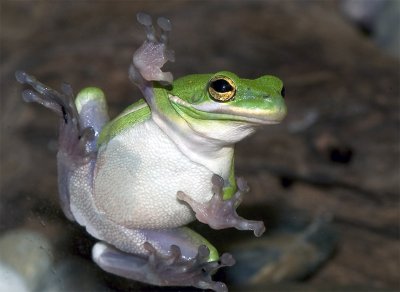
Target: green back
(132, 115)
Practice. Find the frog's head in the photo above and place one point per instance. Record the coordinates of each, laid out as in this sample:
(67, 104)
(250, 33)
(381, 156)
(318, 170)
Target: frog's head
(227, 108)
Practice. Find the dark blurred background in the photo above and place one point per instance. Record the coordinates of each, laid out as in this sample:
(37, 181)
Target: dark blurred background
(331, 169)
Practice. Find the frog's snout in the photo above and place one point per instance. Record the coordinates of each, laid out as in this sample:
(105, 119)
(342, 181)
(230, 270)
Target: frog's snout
(278, 106)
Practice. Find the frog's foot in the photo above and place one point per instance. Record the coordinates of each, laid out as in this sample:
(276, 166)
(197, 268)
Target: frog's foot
(153, 54)
(73, 138)
(219, 213)
(170, 270)
(73, 150)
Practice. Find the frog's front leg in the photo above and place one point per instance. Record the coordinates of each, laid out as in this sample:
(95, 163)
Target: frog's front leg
(152, 55)
(219, 213)
(175, 257)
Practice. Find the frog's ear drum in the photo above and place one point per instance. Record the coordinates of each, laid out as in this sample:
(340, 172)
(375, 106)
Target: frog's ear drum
(221, 88)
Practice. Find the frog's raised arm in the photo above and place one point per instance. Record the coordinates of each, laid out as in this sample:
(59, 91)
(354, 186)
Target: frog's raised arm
(148, 60)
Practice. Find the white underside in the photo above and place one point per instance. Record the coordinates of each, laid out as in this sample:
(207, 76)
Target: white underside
(138, 174)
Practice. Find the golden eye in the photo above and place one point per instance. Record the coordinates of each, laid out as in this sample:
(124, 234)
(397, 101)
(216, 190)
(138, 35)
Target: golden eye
(221, 88)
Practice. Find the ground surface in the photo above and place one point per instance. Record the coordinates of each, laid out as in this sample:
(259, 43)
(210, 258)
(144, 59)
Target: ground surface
(337, 151)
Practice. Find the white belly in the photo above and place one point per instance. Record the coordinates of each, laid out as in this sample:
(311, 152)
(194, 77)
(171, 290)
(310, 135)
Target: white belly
(138, 174)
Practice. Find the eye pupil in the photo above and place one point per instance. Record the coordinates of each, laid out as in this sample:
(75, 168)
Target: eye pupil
(221, 89)
(283, 91)
(221, 85)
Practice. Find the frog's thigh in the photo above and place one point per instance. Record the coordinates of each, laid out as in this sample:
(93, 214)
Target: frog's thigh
(119, 263)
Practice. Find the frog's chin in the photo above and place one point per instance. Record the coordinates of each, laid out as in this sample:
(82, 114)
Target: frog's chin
(220, 111)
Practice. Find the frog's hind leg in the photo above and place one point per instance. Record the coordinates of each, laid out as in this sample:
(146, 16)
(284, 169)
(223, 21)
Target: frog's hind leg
(171, 270)
(172, 257)
(73, 136)
(77, 134)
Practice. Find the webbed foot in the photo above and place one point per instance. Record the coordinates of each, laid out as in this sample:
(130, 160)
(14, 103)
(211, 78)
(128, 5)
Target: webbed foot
(73, 138)
(157, 269)
(219, 213)
(153, 54)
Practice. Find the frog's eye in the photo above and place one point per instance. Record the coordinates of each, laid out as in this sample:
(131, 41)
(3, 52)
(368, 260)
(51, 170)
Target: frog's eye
(221, 88)
(283, 91)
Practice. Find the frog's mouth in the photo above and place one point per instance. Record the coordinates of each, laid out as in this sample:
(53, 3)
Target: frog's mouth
(224, 111)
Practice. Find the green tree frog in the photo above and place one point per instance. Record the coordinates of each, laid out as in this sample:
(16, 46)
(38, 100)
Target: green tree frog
(136, 181)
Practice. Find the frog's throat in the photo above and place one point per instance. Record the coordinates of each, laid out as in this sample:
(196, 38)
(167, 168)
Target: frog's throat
(206, 151)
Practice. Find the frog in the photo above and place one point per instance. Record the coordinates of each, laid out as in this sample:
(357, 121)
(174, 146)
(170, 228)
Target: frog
(135, 182)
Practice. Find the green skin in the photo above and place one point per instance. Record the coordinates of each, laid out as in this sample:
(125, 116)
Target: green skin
(257, 101)
(190, 108)
(187, 127)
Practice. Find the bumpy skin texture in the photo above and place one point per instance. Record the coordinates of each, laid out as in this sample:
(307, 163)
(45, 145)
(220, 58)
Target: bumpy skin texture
(149, 243)
(135, 162)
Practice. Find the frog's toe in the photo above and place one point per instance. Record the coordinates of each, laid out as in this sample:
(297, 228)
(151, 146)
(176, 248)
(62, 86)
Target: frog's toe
(165, 26)
(175, 270)
(144, 19)
(170, 55)
(60, 103)
(163, 270)
(164, 23)
(73, 137)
